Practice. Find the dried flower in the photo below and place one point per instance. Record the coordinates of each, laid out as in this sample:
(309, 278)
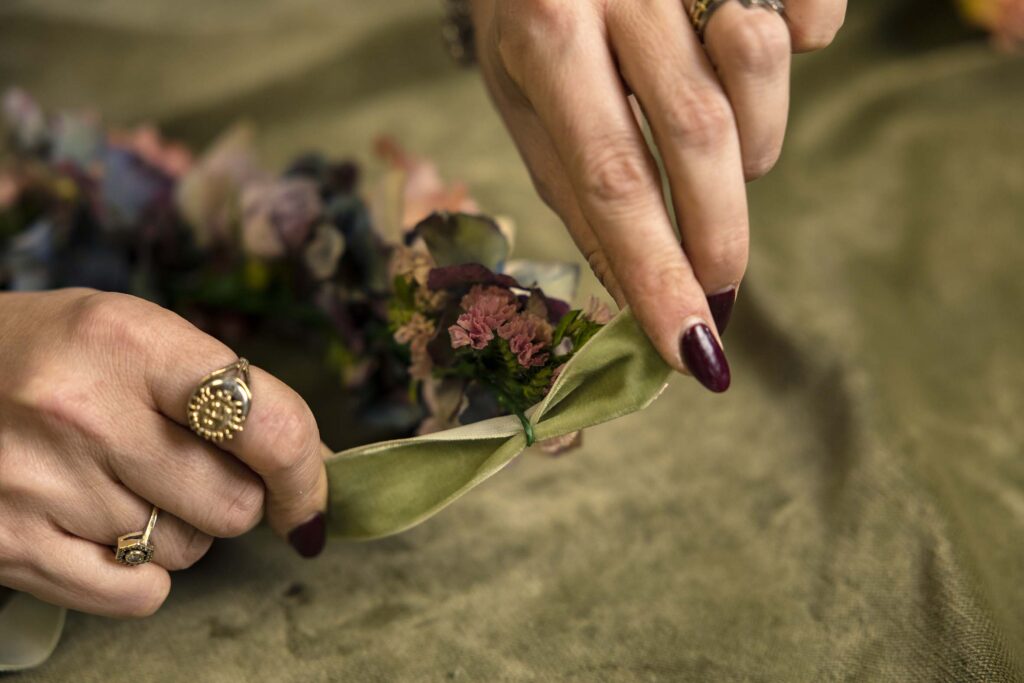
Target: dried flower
(10, 189)
(25, 118)
(1004, 19)
(597, 311)
(557, 445)
(277, 215)
(145, 141)
(423, 190)
(470, 331)
(411, 262)
(492, 305)
(417, 333)
(207, 195)
(324, 251)
(528, 337)
(486, 309)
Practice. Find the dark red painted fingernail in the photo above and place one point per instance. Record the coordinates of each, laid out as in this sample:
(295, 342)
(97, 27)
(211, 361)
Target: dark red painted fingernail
(309, 537)
(704, 358)
(721, 308)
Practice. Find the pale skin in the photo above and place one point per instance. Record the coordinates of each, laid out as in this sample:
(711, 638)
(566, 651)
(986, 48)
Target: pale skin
(93, 432)
(560, 73)
(93, 387)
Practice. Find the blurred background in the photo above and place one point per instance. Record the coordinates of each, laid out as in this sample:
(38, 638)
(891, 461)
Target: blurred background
(852, 508)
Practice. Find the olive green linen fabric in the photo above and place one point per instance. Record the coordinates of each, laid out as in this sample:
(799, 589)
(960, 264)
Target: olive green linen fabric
(852, 509)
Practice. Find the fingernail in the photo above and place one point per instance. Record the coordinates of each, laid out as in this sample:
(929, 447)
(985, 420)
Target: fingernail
(309, 537)
(721, 308)
(704, 358)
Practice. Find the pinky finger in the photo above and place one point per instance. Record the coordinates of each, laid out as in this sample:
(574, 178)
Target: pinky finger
(81, 575)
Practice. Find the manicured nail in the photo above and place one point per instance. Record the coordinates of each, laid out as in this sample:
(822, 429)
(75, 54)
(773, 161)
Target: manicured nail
(704, 358)
(721, 308)
(309, 537)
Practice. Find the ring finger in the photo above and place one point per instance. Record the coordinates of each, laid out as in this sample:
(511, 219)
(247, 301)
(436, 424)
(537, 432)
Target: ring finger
(750, 49)
(117, 511)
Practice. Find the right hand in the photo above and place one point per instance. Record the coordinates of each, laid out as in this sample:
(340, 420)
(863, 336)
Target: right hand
(93, 394)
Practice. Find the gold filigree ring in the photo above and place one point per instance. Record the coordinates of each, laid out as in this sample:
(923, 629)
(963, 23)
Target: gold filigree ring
(134, 549)
(703, 9)
(220, 404)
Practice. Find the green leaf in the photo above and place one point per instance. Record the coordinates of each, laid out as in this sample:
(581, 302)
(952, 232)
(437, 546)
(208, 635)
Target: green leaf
(460, 238)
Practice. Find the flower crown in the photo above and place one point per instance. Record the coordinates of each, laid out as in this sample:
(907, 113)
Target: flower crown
(420, 310)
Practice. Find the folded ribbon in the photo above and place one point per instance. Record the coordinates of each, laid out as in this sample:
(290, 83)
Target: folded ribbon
(384, 488)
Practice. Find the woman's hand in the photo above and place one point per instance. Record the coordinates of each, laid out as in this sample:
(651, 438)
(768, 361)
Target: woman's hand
(560, 72)
(93, 394)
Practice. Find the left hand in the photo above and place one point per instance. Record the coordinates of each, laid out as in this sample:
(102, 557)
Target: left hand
(560, 72)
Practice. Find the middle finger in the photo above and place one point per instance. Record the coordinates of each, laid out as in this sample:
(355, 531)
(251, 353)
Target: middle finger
(750, 48)
(695, 131)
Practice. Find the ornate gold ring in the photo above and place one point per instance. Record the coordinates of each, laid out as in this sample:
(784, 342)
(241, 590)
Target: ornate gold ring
(135, 549)
(220, 404)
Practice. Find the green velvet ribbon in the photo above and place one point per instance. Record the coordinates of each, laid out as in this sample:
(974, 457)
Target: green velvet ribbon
(384, 488)
(29, 630)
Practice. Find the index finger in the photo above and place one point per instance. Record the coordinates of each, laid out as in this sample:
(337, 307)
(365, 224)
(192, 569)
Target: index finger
(572, 82)
(280, 441)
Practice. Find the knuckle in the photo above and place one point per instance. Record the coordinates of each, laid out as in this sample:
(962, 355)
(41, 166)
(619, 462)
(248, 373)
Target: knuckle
(196, 544)
(292, 436)
(614, 171)
(244, 510)
(761, 45)
(144, 601)
(599, 265)
(816, 32)
(64, 405)
(699, 119)
(106, 318)
(756, 166)
(527, 25)
(722, 259)
(545, 190)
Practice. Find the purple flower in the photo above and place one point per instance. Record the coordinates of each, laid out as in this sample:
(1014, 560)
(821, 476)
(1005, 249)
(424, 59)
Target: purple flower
(277, 215)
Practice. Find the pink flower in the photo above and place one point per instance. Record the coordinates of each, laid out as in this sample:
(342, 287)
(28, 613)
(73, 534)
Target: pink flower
(147, 143)
(486, 309)
(492, 305)
(10, 188)
(597, 311)
(1003, 18)
(528, 337)
(471, 330)
(423, 190)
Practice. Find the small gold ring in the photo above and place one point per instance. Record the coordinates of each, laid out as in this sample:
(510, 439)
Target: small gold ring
(135, 549)
(703, 9)
(220, 404)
